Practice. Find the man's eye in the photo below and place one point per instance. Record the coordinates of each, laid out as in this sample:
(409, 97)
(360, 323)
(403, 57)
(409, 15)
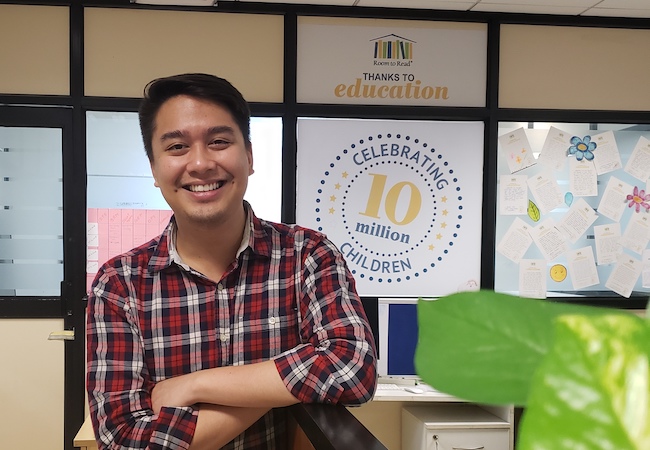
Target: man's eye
(176, 147)
(220, 143)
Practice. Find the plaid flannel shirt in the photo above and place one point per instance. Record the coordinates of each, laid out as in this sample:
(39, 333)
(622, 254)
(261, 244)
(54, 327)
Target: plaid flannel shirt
(288, 296)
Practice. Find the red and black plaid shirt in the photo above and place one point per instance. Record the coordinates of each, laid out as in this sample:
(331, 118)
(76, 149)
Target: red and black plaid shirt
(288, 296)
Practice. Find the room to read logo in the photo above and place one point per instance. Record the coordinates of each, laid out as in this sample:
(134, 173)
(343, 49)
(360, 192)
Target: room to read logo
(393, 206)
(392, 47)
(390, 75)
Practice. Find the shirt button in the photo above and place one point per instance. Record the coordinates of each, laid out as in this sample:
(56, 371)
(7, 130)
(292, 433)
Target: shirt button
(220, 286)
(272, 320)
(223, 337)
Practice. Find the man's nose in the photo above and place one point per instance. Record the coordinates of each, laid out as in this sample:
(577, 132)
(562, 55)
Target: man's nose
(200, 158)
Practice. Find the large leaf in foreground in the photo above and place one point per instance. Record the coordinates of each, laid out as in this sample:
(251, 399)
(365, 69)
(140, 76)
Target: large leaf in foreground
(592, 390)
(484, 346)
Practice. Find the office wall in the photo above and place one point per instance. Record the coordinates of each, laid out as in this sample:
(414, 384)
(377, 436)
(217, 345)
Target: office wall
(574, 68)
(34, 50)
(541, 67)
(31, 384)
(124, 49)
(383, 421)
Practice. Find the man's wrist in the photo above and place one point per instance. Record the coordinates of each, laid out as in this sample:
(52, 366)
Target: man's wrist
(195, 387)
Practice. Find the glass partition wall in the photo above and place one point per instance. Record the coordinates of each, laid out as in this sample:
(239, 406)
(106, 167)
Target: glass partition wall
(125, 209)
(31, 213)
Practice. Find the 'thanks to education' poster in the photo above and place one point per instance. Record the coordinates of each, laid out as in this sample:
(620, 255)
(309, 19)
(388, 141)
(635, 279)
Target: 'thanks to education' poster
(391, 62)
(401, 199)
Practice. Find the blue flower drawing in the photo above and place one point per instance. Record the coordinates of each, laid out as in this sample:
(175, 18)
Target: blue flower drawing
(582, 148)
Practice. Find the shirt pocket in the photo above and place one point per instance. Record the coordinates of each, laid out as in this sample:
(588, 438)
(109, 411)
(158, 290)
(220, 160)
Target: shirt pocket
(268, 332)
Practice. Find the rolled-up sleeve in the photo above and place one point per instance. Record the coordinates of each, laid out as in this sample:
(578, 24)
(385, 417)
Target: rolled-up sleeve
(118, 382)
(337, 361)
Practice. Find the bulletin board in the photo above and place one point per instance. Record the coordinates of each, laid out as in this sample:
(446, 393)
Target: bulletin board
(573, 210)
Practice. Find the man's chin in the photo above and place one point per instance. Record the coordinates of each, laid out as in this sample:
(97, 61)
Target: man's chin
(206, 218)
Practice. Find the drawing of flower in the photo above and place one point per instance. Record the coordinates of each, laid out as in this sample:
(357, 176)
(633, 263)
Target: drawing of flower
(638, 199)
(582, 148)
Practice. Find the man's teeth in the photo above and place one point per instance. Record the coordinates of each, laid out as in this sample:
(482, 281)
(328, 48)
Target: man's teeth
(205, 187)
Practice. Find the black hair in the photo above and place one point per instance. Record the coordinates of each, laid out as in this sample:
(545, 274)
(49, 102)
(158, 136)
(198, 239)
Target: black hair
(198, 85)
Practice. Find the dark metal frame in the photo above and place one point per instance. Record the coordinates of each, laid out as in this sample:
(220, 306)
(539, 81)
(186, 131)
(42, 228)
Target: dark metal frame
(68, 112)
(332, 427)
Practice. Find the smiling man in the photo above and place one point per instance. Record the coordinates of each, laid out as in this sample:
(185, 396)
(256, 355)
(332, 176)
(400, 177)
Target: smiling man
(199, 337)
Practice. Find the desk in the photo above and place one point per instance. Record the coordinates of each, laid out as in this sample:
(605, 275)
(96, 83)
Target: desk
(400, 395)
(85, 438)
(383, 415)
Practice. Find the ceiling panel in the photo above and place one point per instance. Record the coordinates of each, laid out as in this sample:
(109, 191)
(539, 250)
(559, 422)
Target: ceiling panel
(424, 4)
(605, 8)
(306, 2)
(625, 4)
(584, 4)
(529, 9)
(610, 12)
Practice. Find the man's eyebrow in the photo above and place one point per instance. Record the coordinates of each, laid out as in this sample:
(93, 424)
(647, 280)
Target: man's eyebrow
(212, 130)
(221, 129)
(171, 135)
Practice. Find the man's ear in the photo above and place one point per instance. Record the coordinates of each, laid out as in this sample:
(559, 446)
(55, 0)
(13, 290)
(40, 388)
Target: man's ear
(249, 154)
(153, 173)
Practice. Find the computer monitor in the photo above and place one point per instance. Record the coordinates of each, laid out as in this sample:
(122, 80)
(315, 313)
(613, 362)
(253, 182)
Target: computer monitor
(397, 329)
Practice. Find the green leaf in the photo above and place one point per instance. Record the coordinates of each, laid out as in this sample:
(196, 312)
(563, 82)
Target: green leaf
(484, 346)
(533, 211)
(592, 390)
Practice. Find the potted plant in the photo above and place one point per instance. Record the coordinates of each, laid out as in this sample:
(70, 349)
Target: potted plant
(582, 373)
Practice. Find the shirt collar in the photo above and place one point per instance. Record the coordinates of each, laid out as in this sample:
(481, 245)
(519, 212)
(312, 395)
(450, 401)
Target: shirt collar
(255, 236)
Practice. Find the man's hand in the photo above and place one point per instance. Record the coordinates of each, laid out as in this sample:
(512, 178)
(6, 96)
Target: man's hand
(217, 424)
(173, 392)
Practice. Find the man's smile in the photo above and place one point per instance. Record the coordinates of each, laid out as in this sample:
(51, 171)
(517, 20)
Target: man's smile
(205, 187)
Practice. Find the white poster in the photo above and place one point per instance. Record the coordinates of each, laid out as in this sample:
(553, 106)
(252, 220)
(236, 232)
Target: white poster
(513, 195)
(517, 150)
(639, 163)
(577, 220)
(532, 278)
(401, 199)
(583, 179)
(546, 191)
(516, 241)
(624, 276)
(609, 157)
(391, 62)
(548, 239)
(582, 267)
(555, 149)
(608, 243)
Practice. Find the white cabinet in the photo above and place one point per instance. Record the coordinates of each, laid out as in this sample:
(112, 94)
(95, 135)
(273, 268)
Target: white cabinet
(453, 427)
(383, 416)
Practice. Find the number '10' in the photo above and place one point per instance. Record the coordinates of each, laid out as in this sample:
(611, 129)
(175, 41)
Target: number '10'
(377, 194)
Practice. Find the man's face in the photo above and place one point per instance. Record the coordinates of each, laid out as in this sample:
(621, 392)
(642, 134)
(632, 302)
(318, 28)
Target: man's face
(200, 160)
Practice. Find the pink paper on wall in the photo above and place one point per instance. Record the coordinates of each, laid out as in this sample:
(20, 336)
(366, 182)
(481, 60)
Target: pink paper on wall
(111, 232)
(152, 222)
(127, 230)
(114, 232)
(102, 233)
(139, 225)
